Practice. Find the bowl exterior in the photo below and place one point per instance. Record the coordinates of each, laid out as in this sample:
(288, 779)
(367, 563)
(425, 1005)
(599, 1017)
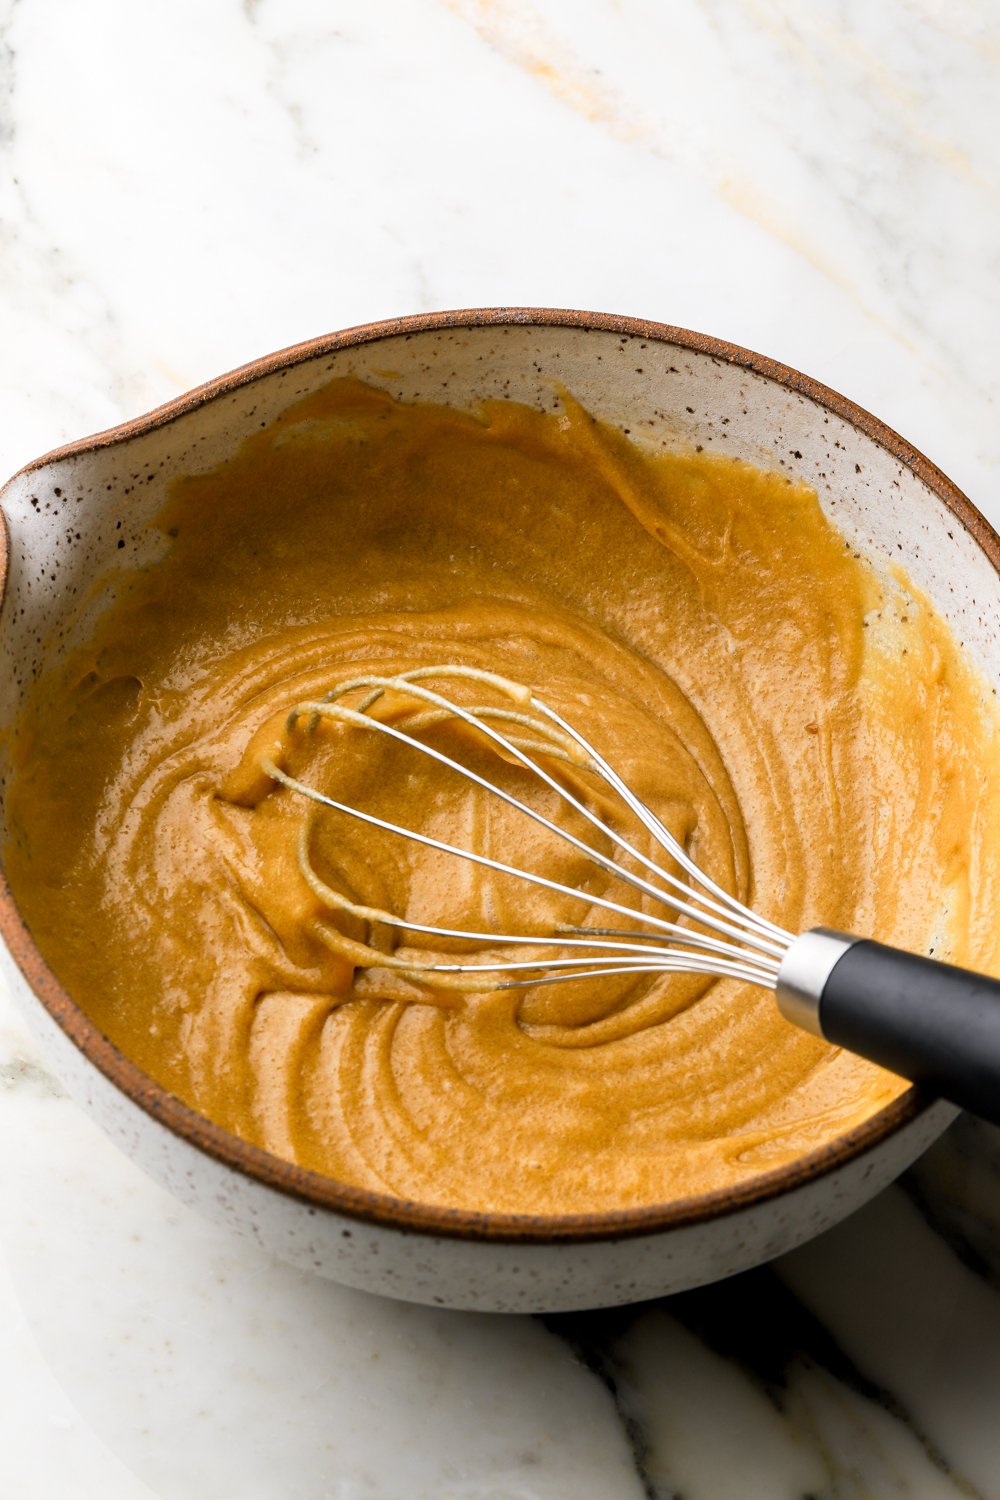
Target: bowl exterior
(456, 1271)
(77, 518)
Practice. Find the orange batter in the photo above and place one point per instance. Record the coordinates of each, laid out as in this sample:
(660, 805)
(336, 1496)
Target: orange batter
(807, 727)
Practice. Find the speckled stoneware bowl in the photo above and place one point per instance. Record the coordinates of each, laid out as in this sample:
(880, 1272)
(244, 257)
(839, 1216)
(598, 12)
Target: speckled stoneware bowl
(83, 513)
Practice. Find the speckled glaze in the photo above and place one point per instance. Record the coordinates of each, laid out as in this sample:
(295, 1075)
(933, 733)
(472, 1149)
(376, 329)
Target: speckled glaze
(78, 516)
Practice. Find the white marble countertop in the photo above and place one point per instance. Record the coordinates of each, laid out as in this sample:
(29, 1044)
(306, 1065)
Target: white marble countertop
(185, 184)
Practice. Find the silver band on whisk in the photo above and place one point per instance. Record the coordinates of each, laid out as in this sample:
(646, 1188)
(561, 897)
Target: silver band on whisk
(803, 974)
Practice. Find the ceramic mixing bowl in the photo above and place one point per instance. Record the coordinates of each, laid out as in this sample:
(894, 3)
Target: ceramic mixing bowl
(83, 513)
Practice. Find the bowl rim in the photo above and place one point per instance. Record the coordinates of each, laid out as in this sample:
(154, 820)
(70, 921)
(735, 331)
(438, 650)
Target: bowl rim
(315, 1189)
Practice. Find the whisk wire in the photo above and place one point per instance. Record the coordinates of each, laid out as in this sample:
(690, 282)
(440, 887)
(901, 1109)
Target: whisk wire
(773, 941)
(691, 939)
(665, 838)
(746, 946)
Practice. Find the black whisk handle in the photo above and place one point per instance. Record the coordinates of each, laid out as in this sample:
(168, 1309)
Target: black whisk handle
(927, 1021)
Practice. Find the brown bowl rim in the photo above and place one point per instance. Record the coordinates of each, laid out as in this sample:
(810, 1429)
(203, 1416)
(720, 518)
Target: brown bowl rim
(313, 1188)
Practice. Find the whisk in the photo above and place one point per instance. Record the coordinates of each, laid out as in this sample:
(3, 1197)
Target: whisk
(927, 1021)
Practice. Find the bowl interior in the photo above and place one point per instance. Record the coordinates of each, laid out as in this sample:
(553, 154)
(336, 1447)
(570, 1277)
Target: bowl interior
(79, 518)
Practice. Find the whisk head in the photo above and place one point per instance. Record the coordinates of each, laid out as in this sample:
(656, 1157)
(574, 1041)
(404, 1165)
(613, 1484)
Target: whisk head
(703, 929)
